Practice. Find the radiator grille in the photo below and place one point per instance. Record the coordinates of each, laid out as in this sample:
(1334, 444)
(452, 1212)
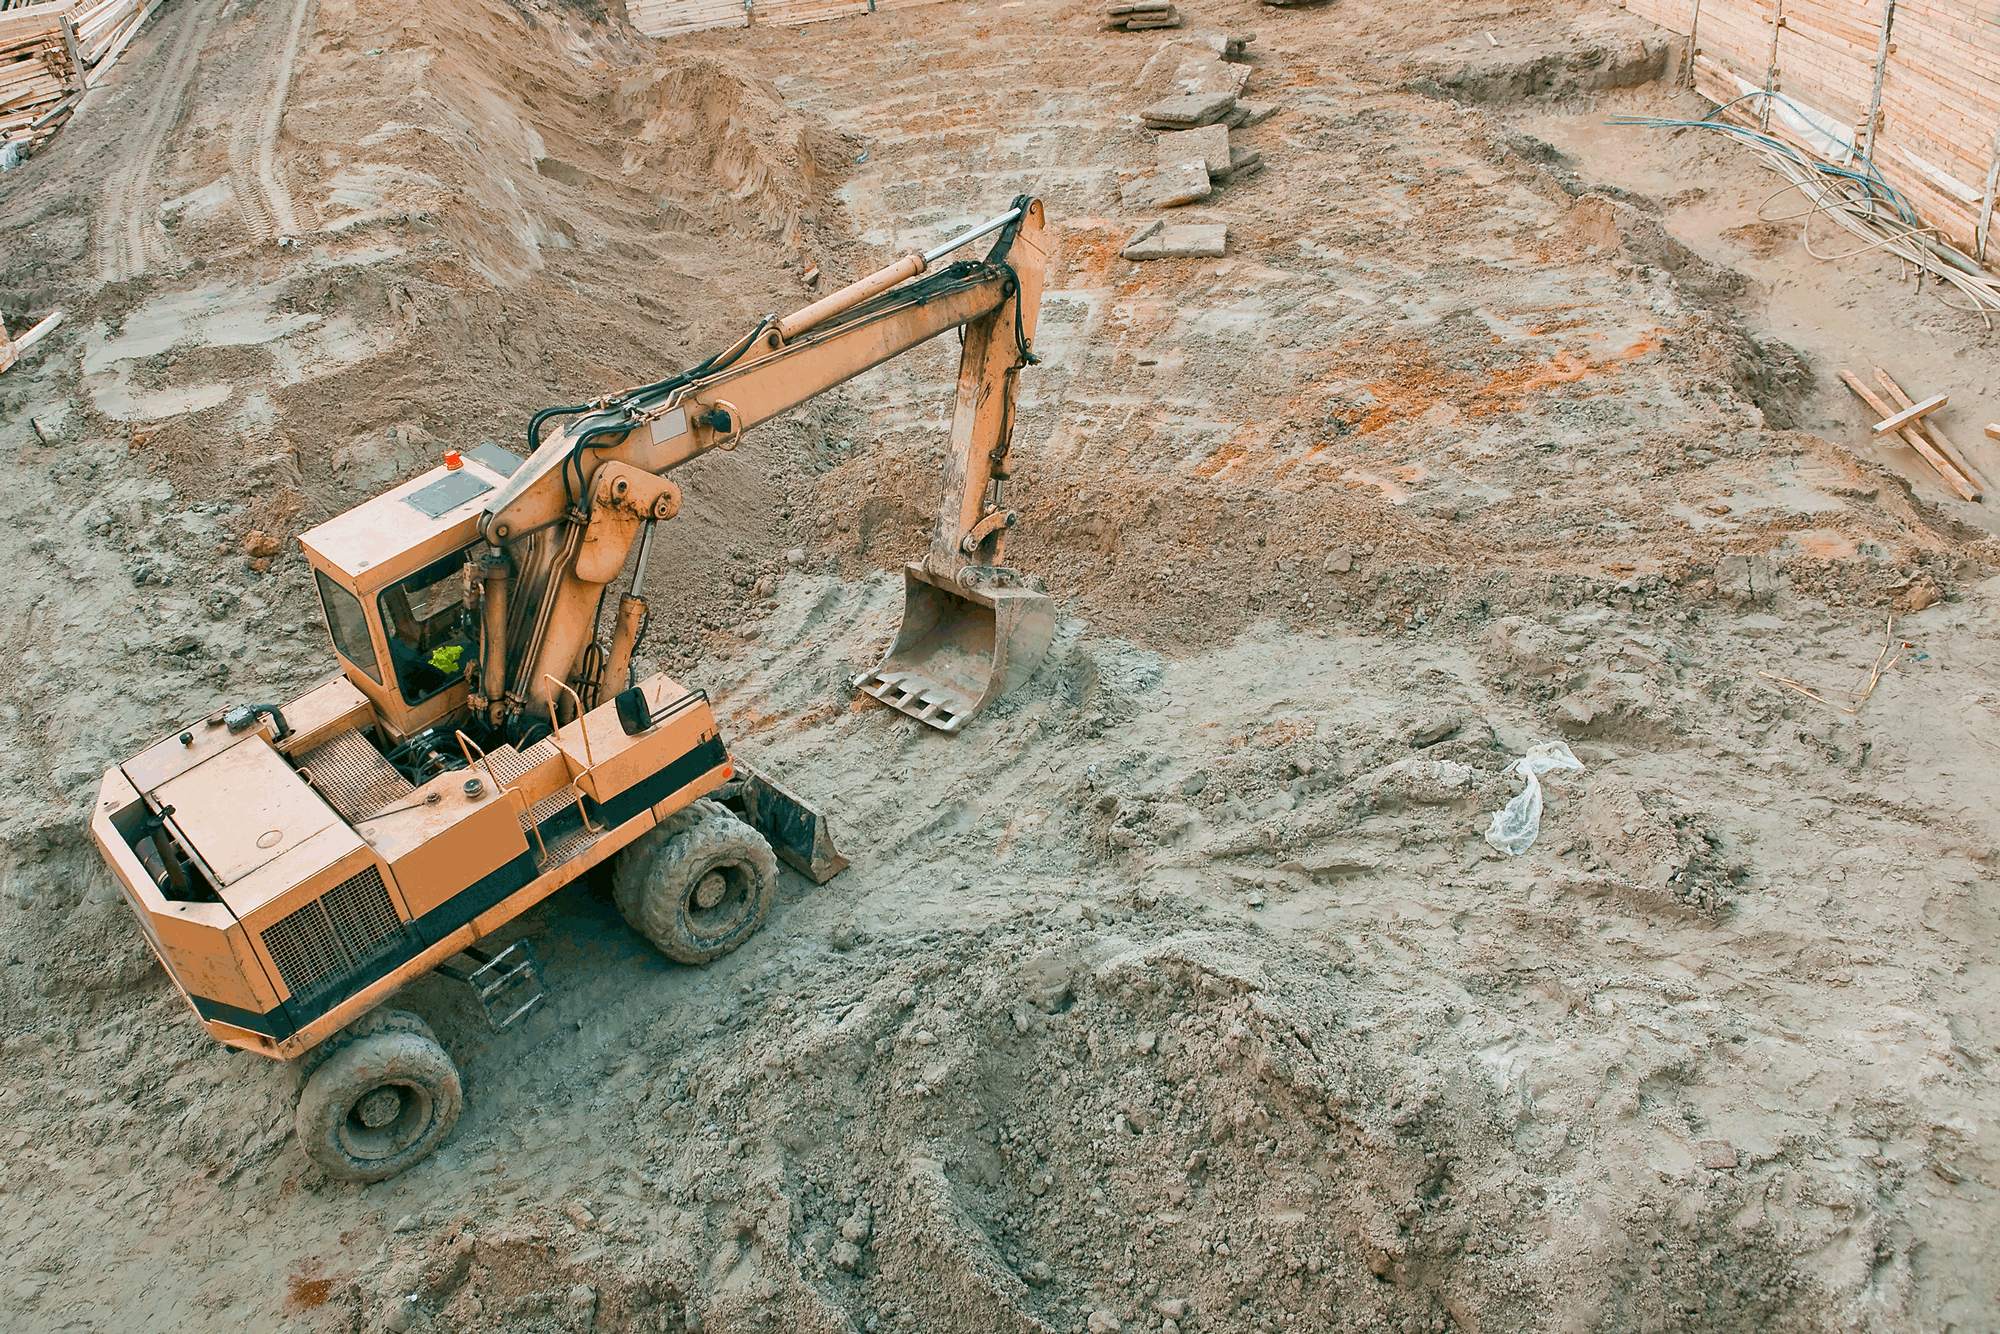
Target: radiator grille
(321, 946)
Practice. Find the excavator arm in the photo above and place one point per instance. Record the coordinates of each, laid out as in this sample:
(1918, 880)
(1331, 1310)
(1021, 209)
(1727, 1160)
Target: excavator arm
(562, 528)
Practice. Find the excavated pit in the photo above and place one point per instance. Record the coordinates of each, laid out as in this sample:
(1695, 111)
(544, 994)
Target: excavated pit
(1181, 989)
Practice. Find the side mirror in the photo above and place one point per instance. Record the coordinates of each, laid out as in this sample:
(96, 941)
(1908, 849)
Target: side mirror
(634, 714)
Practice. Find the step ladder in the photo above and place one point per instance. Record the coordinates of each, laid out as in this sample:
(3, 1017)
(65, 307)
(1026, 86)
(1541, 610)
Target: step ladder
(506, 985)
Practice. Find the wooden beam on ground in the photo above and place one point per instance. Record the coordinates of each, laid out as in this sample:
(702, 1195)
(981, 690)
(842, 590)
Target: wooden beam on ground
(1931, 429)
(1928, 451)
(1908, 416)
(12, 348)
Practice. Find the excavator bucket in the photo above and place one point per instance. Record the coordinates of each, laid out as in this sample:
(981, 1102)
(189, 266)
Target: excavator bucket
(797, 832)
(960, 649)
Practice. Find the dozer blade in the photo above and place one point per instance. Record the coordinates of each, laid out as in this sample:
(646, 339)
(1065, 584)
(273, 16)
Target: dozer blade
(959, 650)
(796, 832)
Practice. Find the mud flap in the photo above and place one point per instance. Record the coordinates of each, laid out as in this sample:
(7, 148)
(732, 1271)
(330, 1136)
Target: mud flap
(959, 650)
(796, 832)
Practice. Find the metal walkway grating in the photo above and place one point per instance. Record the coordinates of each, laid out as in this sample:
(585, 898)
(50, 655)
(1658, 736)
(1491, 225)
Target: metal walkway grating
(353, 777)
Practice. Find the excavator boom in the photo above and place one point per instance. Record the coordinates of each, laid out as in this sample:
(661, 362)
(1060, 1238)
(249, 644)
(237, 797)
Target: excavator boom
(972, 628)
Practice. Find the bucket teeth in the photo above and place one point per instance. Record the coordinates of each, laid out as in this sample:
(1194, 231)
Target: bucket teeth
(904, 691)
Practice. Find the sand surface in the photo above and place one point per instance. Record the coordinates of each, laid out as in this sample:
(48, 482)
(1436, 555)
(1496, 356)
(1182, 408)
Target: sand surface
(1180, 992)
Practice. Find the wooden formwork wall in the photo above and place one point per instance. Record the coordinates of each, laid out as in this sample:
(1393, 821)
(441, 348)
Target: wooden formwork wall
(663, 18)
(1929, 70)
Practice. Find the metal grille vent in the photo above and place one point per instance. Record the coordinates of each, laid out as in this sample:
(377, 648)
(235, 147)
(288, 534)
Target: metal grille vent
(323, 944)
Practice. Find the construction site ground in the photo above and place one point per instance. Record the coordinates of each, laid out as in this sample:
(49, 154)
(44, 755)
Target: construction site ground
(1181, 991)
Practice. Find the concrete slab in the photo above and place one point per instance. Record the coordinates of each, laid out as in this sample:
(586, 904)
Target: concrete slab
(1174, 184)
(1210, 143)
(1184, 111)
(1187, 241)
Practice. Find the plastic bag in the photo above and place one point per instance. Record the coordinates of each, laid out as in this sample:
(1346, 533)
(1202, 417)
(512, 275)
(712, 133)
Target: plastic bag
(10, 156)
(1515, 825)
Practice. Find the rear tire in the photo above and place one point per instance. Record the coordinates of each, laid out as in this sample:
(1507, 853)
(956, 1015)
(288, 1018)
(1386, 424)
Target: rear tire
(697, 887)
(379, 1102)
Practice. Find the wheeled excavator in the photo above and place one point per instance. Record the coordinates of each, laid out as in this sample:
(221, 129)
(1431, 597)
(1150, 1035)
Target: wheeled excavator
(483, 744)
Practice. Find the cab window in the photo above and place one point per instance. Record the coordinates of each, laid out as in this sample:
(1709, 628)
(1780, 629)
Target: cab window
(429, 628)
(347, 626)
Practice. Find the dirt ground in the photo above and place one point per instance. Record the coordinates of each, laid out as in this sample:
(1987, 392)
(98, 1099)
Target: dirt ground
(1181, 991)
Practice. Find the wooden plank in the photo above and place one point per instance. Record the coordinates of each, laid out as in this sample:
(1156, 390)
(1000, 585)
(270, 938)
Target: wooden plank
(663, 18)
(1908, 416)
(1963, 488)
(1931, 429)
(11, 349)
(1993, 430)
(31, 19)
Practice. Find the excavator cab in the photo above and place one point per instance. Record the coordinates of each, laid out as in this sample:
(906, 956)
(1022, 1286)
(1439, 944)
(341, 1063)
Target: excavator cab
(395, 579)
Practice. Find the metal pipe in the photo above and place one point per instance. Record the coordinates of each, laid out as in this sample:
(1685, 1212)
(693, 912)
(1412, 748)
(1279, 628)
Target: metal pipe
(909, 266)
(983, 229)
(850, 296)
(645, 554)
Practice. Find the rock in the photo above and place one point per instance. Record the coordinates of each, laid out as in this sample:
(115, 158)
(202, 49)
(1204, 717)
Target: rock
(846, 1256)
(52, 423)
(1184, 111)
(1039, 1273)
(1043, 982)
(1434, 728)
(1169, 1327)
(856, 1226)
(258, 543)
(1718, 1155)
(407, 1223)
(579, 1215)
(1339, 561)
(1103, 1322)
(924, 1038)
(582, 1308)
(1746, 580)
(1173, 1308)
(1039, 1186)
(1256, 113)
(796, 557)
(1183, 183)
(1210, 143)
(1245, 161)
(1193, 241)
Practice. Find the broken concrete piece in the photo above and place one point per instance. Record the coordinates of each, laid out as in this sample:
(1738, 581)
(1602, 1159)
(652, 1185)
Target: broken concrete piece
(1258, 112)
(1718, 1155)
(1210, 143)
(1184, 111)
(1180, 183)
(1138, 7)
(1150, 229)
(1189, 241)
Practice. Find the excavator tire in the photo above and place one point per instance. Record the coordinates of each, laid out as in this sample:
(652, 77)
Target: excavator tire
(382, 1019)
(702, 889)
(379, 1103)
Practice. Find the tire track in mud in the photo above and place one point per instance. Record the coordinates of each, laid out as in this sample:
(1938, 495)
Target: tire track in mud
(128, 229)
(261, 195)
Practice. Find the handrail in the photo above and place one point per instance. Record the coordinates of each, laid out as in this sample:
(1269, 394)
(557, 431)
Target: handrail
(584, 732)
(589, 763)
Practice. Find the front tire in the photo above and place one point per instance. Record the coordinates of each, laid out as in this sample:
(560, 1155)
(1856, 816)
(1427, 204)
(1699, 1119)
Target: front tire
(378, 1103)
(697, 888)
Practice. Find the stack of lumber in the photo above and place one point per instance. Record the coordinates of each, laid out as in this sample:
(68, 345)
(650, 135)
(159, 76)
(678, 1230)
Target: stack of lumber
(1910, 421)
(54, 51)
